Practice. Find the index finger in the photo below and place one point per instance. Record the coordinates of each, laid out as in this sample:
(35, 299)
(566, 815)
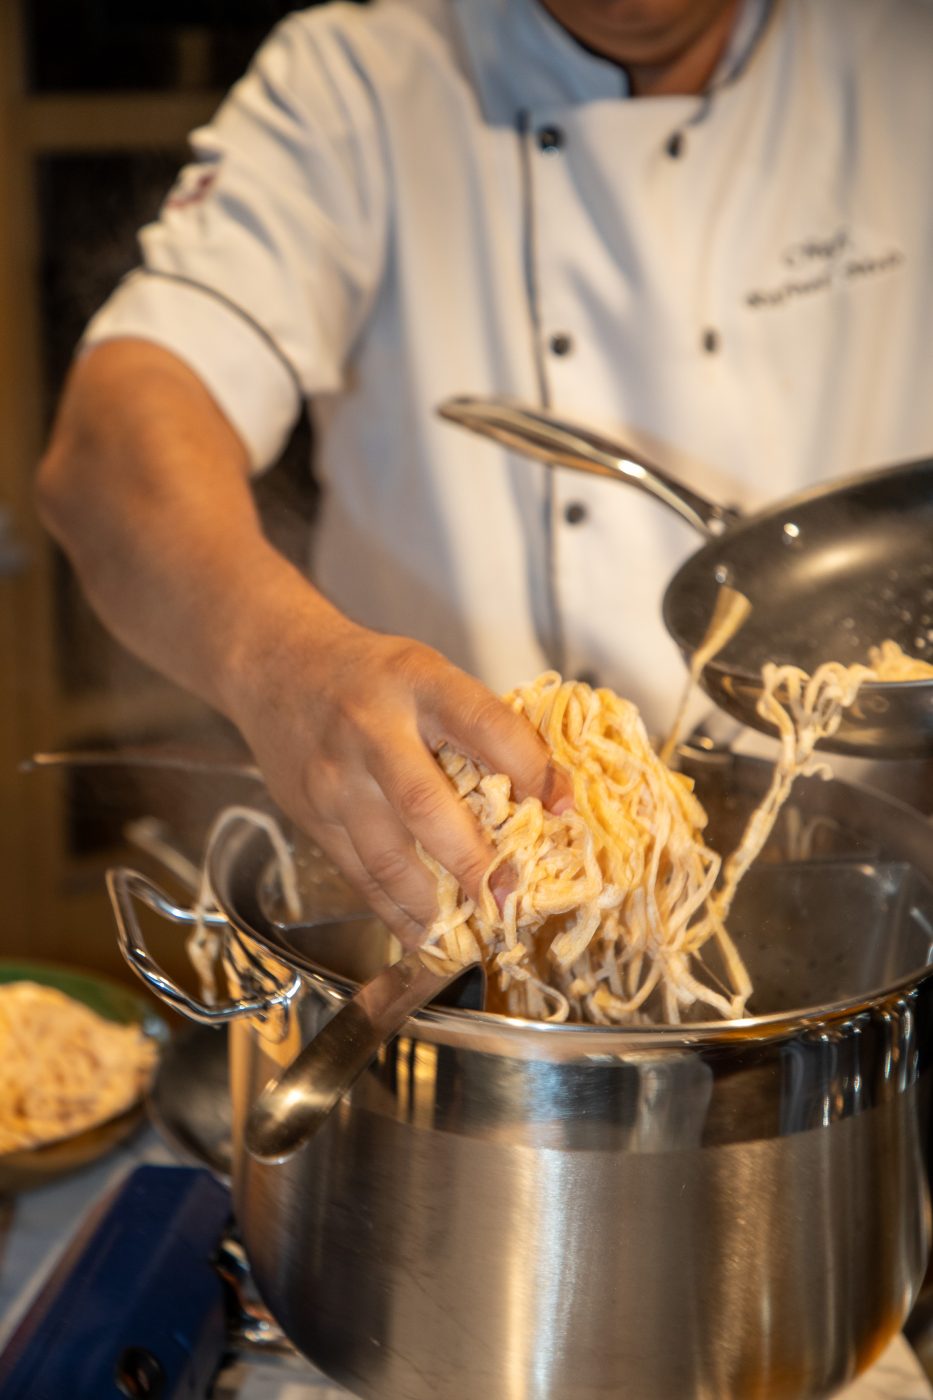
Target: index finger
(425, 801)
(478, 723)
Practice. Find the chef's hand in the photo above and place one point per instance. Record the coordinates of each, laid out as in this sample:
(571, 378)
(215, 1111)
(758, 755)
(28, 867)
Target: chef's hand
(344, 724)
(146, 485)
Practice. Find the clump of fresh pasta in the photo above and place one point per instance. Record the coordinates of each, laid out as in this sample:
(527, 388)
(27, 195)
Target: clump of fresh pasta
(613, 900)
(617, 903)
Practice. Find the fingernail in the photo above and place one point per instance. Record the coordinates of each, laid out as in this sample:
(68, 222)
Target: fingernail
(555, 779)
(502, 882)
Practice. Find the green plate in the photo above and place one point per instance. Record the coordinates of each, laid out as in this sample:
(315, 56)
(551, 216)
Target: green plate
(32, 1167)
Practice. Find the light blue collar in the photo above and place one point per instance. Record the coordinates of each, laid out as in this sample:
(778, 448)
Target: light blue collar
(522, 59)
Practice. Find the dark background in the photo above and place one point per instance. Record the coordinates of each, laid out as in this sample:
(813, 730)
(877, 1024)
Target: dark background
(132, 44)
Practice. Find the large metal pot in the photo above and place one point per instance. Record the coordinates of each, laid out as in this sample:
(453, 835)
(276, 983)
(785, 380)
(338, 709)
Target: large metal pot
(529, 1212)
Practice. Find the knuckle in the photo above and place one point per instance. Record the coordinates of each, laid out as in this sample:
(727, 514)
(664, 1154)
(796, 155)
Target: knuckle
(321, 785)
(411, 661)
(471, 869)
(348, 720)
(409, 934)
(487, 712)
(388, 867)
(369, 887)
(420, 798)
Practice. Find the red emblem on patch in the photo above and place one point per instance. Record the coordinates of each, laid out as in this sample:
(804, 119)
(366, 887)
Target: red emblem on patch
(182, 198)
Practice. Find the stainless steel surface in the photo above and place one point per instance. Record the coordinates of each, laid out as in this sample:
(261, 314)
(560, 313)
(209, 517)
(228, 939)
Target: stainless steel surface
(295, 1106)
(540, 1212)
(526, 1258)
(829, 573)
(156, 839)
(189, 1099)
(125, 887)
(536, 433)
(253, 1329)
(45, 1220)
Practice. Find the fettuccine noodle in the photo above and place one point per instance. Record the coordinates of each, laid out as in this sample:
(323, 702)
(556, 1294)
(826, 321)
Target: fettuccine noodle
(613, 900)
(889, 663)
(616, 902)
(204, 944)
(62, 1067)
(803, 709)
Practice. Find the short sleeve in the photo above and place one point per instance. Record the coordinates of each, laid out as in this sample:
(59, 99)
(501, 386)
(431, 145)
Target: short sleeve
(267, 254)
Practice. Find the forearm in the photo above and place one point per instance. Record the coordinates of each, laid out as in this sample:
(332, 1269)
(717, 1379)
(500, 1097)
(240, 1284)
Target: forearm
(145, 486)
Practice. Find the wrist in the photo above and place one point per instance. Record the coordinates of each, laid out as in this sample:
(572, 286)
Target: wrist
(280, 627)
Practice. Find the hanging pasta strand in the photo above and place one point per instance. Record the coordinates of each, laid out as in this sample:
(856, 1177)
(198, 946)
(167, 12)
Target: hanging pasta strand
(612, 899)
(804, 710)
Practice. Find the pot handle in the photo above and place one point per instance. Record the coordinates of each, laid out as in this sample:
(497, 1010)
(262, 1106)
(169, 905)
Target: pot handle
(535, 433)
(292, 1108)
(124, 887)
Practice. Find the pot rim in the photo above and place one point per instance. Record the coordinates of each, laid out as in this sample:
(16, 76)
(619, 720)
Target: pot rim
(255, 926)
(709, 1033)
(769, 1026)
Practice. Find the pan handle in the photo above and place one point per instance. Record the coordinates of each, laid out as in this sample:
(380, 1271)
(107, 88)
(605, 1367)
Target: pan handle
(145, 756)
(124, 887)
(536, 433)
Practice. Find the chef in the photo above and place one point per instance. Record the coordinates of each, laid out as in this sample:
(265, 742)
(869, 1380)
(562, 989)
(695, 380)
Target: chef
(702, 225)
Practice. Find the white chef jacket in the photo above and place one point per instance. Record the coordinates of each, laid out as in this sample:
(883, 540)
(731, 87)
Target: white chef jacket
(421, 198)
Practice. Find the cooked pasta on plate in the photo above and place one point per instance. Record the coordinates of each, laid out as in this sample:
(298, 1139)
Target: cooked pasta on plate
(63, 1067)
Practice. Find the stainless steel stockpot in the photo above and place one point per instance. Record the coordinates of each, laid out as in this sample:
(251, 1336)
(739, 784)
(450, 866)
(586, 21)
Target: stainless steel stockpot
(515, 1211)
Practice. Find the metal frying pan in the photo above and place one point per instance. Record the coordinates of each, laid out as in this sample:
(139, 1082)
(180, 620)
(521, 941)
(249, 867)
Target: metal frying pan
(829, 573)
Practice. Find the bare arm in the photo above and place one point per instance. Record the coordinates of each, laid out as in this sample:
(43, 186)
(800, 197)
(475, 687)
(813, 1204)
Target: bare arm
(145, 486)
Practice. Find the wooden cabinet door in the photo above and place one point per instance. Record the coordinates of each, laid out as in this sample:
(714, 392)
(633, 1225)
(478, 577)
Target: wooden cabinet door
(25, 662)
